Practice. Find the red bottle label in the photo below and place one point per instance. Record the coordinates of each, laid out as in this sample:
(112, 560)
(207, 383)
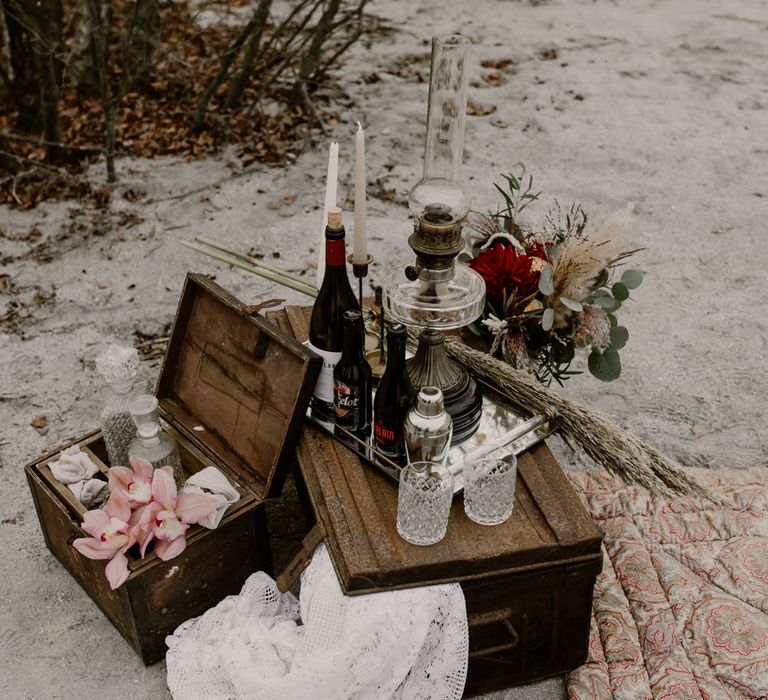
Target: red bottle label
(334, 252)
(388, 438)
(384, 436)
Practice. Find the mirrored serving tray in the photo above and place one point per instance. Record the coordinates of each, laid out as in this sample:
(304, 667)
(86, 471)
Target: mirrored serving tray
(497, 429)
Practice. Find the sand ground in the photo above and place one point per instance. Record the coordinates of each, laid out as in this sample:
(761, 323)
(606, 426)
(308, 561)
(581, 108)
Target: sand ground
(662, 103)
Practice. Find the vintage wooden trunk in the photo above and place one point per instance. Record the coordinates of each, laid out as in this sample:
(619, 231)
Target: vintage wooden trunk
(528, 582)
(233, 390)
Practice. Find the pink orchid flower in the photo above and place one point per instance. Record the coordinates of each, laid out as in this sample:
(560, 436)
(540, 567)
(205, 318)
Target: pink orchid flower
(170, 515)
(135, 484)
(111, 535)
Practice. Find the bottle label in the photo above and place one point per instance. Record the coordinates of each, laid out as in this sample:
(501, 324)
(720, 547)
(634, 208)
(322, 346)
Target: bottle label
(383, 433)
(334, 252)
(324, 387)
(387, 439)
(346, 404)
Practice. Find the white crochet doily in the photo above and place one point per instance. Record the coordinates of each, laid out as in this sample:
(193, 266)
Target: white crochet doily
(403, 645)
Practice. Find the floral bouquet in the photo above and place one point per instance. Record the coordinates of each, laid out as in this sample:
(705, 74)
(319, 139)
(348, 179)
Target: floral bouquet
(552, 289)
(143, 506)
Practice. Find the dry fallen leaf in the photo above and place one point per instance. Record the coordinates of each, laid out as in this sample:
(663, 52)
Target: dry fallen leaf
(476, 109)
(40, 423)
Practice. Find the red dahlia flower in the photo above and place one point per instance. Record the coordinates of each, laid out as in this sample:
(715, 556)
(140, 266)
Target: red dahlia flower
(506, 271)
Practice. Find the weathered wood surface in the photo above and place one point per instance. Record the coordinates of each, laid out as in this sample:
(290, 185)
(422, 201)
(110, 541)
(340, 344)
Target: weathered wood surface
(235, 384)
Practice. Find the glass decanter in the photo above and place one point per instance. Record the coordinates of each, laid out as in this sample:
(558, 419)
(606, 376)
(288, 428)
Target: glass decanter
(118, 365)
(152, 443)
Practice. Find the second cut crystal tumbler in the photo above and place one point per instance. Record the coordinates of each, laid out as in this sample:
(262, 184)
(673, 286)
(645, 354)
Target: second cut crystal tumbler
(489, 489)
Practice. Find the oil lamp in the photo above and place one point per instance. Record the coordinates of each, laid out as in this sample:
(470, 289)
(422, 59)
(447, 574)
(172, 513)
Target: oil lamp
(435, 294)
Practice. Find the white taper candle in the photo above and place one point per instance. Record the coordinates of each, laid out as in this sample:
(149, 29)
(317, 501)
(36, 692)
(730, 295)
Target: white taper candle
(331, 183)
(360, 251)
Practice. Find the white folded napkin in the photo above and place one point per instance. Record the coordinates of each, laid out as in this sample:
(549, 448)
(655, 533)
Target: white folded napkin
(91, 493)
(75, 469)
(73, 465)
(211, 481)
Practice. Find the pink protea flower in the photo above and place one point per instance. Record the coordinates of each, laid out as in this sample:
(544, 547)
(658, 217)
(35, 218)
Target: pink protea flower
(111, 535)
(169, 516)
(135, 484)
(592, 328)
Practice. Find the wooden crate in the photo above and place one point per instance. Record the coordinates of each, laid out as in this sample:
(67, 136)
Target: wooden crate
(527, 583)
(233, 390)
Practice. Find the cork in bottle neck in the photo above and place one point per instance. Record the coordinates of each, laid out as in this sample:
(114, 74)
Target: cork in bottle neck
(334, 218)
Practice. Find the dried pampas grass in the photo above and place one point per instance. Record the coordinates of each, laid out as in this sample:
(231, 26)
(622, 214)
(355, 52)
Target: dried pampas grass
(618, 451)
(582, 258)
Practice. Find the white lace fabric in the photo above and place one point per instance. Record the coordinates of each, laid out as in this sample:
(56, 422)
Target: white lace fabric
(396, 645)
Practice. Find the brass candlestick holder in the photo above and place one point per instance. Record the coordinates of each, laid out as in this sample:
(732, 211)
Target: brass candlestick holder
(374, 321)
(360, 271)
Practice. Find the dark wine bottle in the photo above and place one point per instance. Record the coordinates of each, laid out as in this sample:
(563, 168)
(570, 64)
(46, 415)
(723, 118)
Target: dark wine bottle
(326, 325)
(352, 380)
(394, 397)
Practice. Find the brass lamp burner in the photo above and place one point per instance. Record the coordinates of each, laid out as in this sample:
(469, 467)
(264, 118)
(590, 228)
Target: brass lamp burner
(436, 240)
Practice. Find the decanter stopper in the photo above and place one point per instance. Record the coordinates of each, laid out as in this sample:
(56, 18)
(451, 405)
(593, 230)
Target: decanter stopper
(118, 364)
(152, 443)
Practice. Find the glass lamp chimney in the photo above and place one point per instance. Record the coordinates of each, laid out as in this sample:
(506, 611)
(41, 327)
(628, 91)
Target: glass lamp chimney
(440, 197)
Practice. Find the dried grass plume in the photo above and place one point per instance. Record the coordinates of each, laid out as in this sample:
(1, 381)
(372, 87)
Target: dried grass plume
(581, 258)
(618, 451)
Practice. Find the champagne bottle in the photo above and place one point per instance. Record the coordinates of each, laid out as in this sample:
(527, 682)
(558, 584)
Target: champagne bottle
(326, 329)
(394, 397)
(352, 380)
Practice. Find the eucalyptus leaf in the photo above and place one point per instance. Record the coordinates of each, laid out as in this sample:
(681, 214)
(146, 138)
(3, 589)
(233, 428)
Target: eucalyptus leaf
(620, 292)
(612, 320)
(548, 319)
(603, 299)
(632, 279)
(546, 287)
(572, 304)
(619, 337)
(606, 366)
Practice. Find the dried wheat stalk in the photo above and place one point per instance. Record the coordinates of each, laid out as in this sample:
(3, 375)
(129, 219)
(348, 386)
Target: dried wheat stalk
(618, 451)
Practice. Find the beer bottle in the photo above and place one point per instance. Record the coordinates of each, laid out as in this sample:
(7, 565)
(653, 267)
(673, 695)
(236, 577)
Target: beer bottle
(326, 330)
(352, 380)
(394, 397)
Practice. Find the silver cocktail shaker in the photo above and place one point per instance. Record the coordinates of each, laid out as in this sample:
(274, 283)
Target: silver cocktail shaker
(428, 428)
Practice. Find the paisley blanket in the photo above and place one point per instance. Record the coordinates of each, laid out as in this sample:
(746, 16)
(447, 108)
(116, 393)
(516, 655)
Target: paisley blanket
(681, 606)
